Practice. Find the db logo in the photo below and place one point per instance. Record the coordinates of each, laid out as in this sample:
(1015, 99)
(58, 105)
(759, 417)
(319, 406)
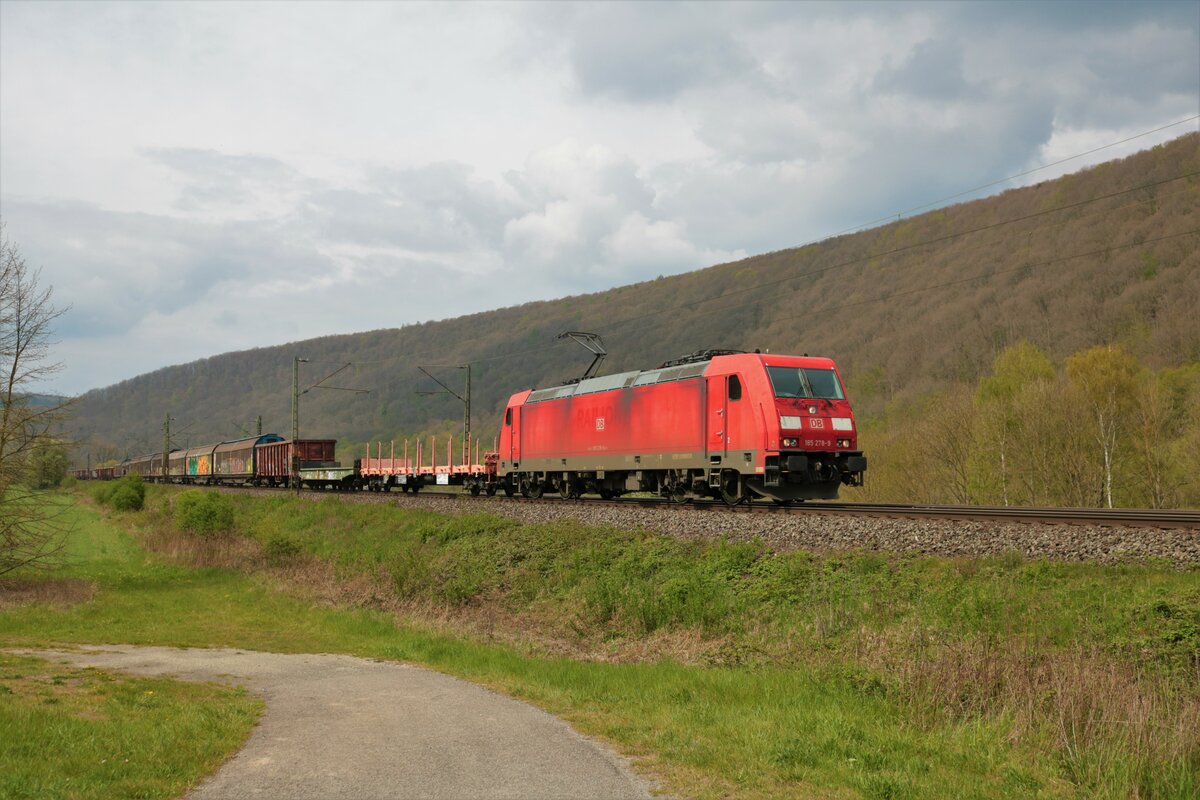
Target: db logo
(599, 423)
(816, 423)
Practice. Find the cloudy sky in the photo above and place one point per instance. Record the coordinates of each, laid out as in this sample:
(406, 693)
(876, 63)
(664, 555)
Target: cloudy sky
(198, 178)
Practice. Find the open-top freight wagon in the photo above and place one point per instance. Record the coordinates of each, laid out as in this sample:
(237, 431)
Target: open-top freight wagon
(410, 471)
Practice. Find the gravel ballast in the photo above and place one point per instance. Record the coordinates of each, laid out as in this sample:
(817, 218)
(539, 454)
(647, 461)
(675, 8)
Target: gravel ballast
(838, 531)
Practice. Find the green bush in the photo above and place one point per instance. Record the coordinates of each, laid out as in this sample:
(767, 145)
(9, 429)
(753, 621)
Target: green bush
(128, 497)
(203, 513)
(280, 548)
(123, 494)
(101, 491)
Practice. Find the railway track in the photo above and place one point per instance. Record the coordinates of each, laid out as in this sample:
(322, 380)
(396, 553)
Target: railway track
(1104, 517)
(1122, 517)
(1129, 518)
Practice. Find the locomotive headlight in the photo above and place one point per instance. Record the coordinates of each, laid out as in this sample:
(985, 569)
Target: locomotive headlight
(844, 443)
(791, 442)
(791, 423)
(842, 424)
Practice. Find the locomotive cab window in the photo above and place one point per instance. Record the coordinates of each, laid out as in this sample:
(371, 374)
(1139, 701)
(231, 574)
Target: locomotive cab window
(735, 388)
(806, 382)
(508, 416)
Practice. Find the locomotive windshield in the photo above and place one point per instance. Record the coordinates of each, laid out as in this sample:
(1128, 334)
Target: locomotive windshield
(805, 382)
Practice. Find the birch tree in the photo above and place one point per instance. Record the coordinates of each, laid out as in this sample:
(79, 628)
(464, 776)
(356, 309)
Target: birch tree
(1106, 378)
(1016, 369)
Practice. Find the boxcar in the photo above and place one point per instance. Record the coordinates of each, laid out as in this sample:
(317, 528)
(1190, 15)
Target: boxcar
(234, 462)
(199, 467)
(177, 465)
(141, 466)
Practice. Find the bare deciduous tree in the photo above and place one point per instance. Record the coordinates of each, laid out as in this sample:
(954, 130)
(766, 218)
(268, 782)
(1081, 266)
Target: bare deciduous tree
(949, 439)
(32, 531)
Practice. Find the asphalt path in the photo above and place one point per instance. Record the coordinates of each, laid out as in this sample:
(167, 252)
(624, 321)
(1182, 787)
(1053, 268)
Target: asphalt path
(345, 727)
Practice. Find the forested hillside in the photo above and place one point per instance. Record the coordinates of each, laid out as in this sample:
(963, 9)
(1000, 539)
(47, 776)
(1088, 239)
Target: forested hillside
(911, 310)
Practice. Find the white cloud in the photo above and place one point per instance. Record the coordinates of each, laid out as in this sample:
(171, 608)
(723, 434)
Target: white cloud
(664, 243)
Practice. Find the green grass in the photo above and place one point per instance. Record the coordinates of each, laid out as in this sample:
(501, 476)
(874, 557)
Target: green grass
(627, 584)
(85, 733)
(800, 685)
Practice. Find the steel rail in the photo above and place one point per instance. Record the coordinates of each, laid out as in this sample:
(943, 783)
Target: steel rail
(1104, 517)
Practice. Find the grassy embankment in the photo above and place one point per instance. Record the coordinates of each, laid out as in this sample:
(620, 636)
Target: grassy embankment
(88, 733)
(85, 733)
(728, 670)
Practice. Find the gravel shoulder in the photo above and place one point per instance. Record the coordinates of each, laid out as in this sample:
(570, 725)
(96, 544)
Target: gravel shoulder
(345, 727)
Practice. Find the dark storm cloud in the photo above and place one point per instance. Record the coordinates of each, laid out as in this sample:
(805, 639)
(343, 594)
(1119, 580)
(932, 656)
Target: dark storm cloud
(647, 52)
(1130, 81)
(762, 207)
(1105, 62)
(933, 70)
(1066, 18)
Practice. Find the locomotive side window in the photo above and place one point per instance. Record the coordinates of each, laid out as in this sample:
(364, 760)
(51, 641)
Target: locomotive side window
(508, 416)
(805, 382)
(735, 388)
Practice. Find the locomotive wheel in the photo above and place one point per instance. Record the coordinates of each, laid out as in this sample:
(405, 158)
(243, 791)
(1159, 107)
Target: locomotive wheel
(490, 491)
(536, 489)
(607, 494)
(508, 490)
(733, 491)
(474, 490)
(675, 487)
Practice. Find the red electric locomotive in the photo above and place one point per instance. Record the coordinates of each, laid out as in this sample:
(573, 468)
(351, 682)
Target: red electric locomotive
(716, 423)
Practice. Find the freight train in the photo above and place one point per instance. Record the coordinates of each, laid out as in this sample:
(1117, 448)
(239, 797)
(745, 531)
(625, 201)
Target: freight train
(717, 423)
(263, 460)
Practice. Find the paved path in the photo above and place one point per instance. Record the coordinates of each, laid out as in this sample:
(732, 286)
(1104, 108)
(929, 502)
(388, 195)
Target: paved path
(345, 727)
